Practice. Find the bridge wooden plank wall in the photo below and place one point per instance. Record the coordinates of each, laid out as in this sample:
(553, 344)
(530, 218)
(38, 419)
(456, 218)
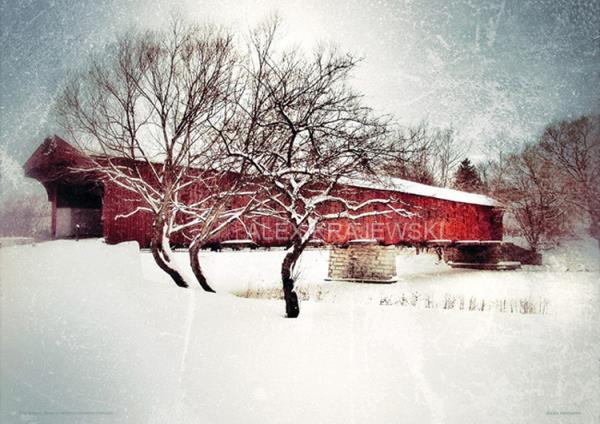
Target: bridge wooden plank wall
(435, 218)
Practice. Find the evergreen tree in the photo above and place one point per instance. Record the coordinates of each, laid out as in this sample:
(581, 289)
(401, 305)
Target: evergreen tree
(467, 178)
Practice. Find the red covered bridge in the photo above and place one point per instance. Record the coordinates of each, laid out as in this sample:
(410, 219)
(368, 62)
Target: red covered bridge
(83, 202)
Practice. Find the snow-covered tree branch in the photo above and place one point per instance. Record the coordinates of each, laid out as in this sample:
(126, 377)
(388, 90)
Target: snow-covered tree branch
(142, 110)
(304, 130)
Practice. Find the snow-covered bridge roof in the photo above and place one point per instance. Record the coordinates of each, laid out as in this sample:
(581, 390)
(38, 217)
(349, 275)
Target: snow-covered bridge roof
(56, 150)
(411, 187)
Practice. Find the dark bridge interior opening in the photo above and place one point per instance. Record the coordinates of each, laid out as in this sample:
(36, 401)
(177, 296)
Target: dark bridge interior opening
(78, 211)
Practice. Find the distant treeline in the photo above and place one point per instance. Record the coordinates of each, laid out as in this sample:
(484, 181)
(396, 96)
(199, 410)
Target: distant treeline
(550, 186)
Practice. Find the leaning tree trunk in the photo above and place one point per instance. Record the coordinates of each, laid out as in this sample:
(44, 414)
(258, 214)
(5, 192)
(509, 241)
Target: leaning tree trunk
(161, 254)
(292, 307)
(196, 268)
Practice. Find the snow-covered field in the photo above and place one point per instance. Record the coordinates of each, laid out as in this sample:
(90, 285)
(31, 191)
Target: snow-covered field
(92, 333)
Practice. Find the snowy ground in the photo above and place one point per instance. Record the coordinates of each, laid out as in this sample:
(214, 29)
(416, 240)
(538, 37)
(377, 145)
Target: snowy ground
(95, 334)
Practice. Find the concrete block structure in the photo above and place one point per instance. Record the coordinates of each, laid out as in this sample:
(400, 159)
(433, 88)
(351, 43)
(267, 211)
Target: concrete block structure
(363, 260)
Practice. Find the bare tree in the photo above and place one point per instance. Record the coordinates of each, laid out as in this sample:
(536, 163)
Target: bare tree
(414, 147)
(573, 147)
(447, 153)
(427, 155)
(143, 109)
(526, 184)
(307, 133)
(228, 196)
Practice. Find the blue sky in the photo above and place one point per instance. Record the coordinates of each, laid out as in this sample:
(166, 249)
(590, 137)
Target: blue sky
(498, 71)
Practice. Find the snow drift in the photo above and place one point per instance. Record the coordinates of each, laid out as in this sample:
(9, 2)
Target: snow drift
(88, 335)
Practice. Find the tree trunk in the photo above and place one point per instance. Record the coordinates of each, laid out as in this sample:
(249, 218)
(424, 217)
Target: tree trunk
(196, 268)
(161, 256)
(292, 307)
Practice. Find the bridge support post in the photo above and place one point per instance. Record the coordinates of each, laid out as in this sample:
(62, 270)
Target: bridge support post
(490, 256)
(363, 261)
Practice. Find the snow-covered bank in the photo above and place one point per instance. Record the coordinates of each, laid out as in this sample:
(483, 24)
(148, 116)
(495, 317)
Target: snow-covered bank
(88, 337)
(423, 281)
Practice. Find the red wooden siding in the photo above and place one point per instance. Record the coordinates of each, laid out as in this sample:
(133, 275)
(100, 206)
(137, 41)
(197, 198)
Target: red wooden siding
(434, 218)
